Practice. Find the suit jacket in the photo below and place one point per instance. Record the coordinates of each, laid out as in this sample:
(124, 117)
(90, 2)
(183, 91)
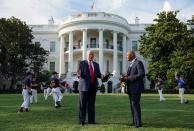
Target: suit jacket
(137, 73)
(84, 75)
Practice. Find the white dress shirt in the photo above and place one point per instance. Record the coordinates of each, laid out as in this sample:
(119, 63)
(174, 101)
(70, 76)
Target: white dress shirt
(132, 62)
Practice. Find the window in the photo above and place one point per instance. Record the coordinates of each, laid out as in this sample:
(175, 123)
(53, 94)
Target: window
(92, 15)
(107, 66)
(134, 46)
(66, 46)
(107, 44)
(66, 67)
(52, 46)
(121, 67)
(52, 66)
(93, 43)
(79, 44)
(119, 45)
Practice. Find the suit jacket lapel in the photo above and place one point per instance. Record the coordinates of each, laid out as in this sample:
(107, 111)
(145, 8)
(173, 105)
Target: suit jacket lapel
(87, 65)
(130, 67)
(129, 70)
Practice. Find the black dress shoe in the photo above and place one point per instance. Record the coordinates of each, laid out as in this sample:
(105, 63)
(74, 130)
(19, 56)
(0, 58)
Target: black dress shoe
(138, 126)
(82, 123)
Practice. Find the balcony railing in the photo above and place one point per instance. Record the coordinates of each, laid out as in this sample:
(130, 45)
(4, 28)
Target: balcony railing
(105, 46)
(96, 16)
(92, 45)
(78, 46)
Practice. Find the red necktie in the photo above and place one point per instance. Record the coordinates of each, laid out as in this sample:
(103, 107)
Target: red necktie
(91, 72)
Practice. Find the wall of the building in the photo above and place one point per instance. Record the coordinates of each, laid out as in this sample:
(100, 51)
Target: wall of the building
(45, 40)
(107, 35)
(107, 57)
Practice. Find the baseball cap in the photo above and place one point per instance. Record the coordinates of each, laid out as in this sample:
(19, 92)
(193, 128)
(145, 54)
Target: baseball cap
(54, 72)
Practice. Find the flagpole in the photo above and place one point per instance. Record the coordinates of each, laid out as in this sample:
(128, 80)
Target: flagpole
(92, 6)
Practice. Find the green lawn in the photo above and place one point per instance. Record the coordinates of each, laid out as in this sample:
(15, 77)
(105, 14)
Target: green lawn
(112, 114)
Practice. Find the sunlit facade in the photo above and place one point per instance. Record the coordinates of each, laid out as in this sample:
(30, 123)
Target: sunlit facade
(108, 35)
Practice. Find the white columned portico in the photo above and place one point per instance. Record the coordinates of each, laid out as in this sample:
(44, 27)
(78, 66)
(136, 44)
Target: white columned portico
(101, 50)
(124, 54)
(84, 44)
(70, 56)
(61, 57)
(115, 55)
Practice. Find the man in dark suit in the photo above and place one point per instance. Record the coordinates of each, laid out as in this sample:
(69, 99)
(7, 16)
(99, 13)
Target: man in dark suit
(135, 85)
(88, 72)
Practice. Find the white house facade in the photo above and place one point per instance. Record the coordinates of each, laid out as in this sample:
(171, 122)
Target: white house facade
(108, 35)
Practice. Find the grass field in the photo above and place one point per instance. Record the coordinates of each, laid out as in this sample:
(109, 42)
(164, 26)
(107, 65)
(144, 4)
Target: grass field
(112, 114)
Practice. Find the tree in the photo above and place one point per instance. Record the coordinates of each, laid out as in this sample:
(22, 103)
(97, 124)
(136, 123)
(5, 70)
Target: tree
(44, 76)
(191, 63)
(168, 46)
(36, 58)
(17, 50)
(191, 21)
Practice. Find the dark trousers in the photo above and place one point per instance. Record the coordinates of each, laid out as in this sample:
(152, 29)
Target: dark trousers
(87, 102)
(135, 108)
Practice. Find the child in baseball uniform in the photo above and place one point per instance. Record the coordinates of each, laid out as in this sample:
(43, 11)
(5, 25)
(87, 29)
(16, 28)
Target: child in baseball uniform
(56, 92)
(181, 87)
(26, 92)
(34, 87)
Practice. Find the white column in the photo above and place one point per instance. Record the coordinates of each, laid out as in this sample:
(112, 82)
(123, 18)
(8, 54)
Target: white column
(129, 47)
(84, 44)
(61, 57)
(129, 42)
(115, 55)
(101, 51)
(124, 54)
(70, 57)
